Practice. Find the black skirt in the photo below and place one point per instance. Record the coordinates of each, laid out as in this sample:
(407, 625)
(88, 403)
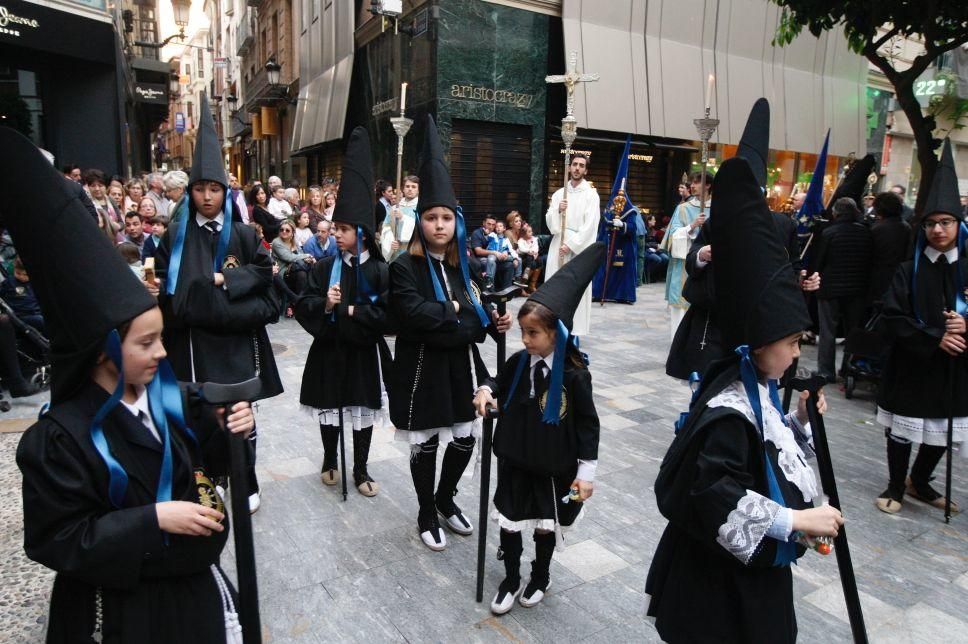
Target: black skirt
(524, 496)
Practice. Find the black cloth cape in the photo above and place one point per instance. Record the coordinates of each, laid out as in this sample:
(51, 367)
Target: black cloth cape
(699, 591)
(270, 225)
(430, 384)
(698, 342)
(915, 379)
(222, 329)
(152, 591)
(343, 365)
(537, 462)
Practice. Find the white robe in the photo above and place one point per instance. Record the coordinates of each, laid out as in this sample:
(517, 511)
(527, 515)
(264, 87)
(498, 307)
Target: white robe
(582, 219)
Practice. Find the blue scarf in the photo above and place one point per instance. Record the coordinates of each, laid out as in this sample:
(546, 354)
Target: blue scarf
(552, 411)
(174, 264)
(364, 292)
(786, 551)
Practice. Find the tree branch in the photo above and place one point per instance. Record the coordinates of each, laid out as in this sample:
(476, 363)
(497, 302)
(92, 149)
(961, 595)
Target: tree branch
(880, 42)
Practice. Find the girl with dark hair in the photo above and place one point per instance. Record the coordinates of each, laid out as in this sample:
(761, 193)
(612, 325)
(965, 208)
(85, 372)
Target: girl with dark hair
(547, 437)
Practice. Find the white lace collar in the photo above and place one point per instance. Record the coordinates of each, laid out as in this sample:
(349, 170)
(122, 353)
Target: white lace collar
(792, 461)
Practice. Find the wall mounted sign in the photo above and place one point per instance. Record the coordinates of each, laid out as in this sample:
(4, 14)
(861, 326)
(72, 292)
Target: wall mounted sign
(491, 95)
(179, 122)
(12, 24)
(154, 93)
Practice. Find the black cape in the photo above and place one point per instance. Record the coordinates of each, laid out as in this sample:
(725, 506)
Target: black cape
(915, 379)
(221, 329)
(152, 591)
(343, 365)
(698, 341)
(431, 383)
(700, 592)
(537, 462)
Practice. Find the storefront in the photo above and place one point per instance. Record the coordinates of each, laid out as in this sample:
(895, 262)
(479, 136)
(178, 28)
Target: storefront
(59, 82)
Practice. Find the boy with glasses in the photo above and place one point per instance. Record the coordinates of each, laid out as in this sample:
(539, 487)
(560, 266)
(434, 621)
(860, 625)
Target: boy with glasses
(924, 313)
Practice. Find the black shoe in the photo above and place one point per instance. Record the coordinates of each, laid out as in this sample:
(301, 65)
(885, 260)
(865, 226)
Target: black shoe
(489, 284)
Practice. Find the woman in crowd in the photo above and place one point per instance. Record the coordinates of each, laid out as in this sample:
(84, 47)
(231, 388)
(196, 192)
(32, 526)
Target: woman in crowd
(135, 191)
(259, 199)
(146, 208)
(294, 264)
(176, 183)
(314, 207)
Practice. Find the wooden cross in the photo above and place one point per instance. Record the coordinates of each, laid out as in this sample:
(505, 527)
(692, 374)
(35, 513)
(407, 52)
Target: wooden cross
(571, 79)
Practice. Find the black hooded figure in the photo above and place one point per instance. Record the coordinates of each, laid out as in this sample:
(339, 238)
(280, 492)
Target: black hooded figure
(924, 307)
(547, 437)
(436, 365)
(216, 285)
(96, 474)
(734, 484)
(343, 365)
(697, 342)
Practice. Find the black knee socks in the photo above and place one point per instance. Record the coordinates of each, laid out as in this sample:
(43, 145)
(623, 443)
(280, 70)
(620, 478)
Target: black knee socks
(924, 464)
(898, 457)
(330, 438)
(544, 548)
(361, 454)
(456, 458)
(511, 548)
(423, 468)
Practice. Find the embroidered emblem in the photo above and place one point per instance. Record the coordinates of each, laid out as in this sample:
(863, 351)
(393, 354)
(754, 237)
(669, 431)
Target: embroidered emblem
(207, 494)
(231, 261)
(475, 293)
(563, 410)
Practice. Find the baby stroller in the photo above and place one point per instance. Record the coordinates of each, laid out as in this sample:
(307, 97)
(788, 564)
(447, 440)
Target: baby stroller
(865, 351)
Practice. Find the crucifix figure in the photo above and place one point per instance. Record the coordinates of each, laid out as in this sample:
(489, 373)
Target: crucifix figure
(571, 79)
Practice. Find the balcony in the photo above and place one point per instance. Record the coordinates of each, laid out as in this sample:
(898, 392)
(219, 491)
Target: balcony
(245, 35)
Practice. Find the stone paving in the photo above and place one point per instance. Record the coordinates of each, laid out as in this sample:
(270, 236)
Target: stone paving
(357, 571)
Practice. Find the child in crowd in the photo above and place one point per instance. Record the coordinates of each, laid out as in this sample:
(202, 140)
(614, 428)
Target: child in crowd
(547, 437)
(19, 295)
(498, 242)
(158, 227)
(436, 365)
(129, 252)
(344, 308)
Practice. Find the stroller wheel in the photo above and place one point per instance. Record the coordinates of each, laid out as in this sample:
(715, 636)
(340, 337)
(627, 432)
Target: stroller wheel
(41, 379)
(849, 384)
(4, 405)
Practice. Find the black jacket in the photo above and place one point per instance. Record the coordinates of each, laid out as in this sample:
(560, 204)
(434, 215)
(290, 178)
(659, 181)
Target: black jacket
(270, 225)
(890, 239)
(844, 260)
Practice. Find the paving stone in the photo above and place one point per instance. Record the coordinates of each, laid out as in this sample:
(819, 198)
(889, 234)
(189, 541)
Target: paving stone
(590, 560)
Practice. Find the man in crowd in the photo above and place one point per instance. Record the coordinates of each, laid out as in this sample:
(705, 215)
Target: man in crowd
(72, 172)
(907, 212)
(321, 244)
(292, 198)
(683, 229)
(384, 195)
(272, 183)
(498, 266)
(156, 192)
(397, 228)
(844, 262)
(572, 220)
(134, 231)
(237, 195)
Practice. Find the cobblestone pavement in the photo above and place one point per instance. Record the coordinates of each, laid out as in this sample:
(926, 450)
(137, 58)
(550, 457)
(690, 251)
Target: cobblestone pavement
(357, 571)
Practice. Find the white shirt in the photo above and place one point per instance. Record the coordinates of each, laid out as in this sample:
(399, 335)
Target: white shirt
(933, 255)
(202, 220)
(279, 208)
(348, 257)
(139, 407)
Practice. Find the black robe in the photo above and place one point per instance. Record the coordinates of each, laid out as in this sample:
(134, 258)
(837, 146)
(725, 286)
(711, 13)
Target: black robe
(537, 462)
(914, 382)
(221, 330)
(152, 591)
(431, 384)
(697, 342)
(700, 591)
(343, 365)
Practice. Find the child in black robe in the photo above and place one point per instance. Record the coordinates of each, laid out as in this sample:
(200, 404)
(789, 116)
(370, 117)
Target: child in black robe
(344, 308)
(547, 438)
(436, 364)
(116, 491)
(734, 484)
(217, 293)
(924, 317)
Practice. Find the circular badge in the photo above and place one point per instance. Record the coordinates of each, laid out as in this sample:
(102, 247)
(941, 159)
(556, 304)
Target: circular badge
(563, 410)
(475, 293)
(231, 261)
(207, 494)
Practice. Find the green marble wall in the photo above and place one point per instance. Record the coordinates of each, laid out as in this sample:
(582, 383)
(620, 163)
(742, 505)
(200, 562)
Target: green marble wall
(491, 64)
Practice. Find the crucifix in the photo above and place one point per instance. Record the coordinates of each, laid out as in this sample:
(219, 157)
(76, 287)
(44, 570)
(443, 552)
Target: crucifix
(569, 124)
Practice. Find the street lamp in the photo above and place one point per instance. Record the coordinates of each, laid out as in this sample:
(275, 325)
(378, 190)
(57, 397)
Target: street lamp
(181, 9)
(273, 70)
(174, 86)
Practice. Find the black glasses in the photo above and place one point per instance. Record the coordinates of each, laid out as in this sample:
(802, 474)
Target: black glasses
(944, 223)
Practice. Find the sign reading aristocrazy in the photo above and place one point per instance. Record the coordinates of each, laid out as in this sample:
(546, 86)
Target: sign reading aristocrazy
(11, 22)
(491, 95)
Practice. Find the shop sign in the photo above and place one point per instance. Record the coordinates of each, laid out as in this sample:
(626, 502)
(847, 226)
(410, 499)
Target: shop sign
(221, 63)
(154, 93)
(179, 122)
(491, 95)
(11, 24)
(385, 106)
(641, 157)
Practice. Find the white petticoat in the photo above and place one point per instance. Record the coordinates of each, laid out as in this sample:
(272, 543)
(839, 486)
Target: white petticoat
(927, 431)
(445, 434)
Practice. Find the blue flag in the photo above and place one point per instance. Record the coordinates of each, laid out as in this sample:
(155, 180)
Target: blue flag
(813, 203)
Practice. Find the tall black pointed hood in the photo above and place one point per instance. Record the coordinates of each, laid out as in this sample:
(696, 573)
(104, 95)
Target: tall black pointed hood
(757, 296)
(564, 290)
(854, 183)
(944, 196)
(754, 146)
(355, 203)
(435, 186)
(207, 163)
(84, 287)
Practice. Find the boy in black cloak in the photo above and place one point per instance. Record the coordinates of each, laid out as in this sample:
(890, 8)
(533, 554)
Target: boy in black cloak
(117, 499)
(924, 313)
(437, 366)
(344, 308)
(216, 292)
(734, 484)
(697, 342)
(547, 438)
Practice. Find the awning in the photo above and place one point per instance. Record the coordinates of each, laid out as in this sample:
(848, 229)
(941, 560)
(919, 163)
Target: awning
(654, 59)
(326, 68)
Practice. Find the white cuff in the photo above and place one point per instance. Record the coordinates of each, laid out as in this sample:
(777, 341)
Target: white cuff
(484, 388)
(586, 470)
(782, 525)
(700, 263)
